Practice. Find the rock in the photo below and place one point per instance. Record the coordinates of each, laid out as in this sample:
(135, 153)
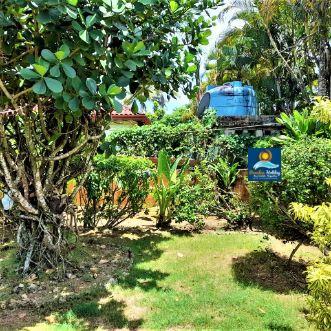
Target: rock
(111, 281)
(32, 288)
(13, 303)
(18, 288)
(62, 300)
(70, 275)
(24, 297)
(103, 246)
(103, 261)
(32, 277)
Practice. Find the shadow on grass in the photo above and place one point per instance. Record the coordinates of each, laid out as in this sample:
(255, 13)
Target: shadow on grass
(278, 327)
(269, 271)
(92, 309)
(144, 247)
(96, 307)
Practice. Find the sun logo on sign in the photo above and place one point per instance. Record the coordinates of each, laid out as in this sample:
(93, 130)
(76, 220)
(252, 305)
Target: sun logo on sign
(265, 157)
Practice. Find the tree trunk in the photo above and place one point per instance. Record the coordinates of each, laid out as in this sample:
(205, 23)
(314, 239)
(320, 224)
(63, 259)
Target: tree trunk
(163, 222)
(324, 84)
(41, 242)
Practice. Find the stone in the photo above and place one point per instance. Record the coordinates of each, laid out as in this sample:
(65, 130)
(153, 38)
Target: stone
(111, 281)
(32, 288)
(103, 261)
(62, 300)
(18, 288)
(70, 275)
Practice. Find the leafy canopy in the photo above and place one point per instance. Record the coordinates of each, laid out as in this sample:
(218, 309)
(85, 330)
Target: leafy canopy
(87, 55)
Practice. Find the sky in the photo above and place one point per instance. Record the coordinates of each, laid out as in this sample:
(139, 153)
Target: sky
(218, 31)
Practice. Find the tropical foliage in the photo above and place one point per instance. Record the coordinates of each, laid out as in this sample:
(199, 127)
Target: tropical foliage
(319, 274)
(63, 66)
(276, 51)
(305, 164)
(115, 190)
(167, 180)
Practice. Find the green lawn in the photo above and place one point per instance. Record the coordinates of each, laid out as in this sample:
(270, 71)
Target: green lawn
(223, 281)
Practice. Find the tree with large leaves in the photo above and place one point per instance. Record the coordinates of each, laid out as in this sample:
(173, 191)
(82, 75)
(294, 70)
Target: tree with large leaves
(282, 50)
(63, 65)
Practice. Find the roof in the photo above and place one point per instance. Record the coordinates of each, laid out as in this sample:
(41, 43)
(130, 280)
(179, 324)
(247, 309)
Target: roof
(127, 115)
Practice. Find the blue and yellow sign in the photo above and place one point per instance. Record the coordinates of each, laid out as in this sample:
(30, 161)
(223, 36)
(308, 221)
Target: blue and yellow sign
(264, 164)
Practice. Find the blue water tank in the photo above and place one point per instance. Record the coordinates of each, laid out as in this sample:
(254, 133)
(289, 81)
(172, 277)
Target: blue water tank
(230, 99)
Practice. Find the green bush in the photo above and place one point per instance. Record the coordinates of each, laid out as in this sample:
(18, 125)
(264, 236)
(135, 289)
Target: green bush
(167, 180)
(185, 139)
(196, 198)
(319, 273)
(305, 164)
(234, 148)
(116, 189)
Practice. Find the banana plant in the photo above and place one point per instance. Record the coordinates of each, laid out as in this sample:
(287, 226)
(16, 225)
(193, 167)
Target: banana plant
(167, 180)
(226, 173)
(297, 126)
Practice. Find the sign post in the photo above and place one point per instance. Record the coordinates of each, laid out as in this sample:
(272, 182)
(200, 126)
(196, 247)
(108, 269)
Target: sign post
(264, 164)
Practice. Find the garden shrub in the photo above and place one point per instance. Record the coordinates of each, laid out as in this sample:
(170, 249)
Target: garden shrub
(167, 180)
(319, 274)
(196, 198)
(305, 164)
(116, 189)
(191, 139)
(185, 139)
(232, 147)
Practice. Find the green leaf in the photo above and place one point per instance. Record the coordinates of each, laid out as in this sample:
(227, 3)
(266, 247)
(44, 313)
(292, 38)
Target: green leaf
(68, 70)
(40, 69)
(54, 85)
(72, 13)
(76, 26)
(131, 64)
(90, 20)
(173, 6)
(114, 90)
(60, 55)
(147, 2)
(117, 105)
(39, 87)
(74, 104)
(135, 107)
(48, 55)
(84, 36)
(91, 85)
(44, 17)
(88, 103)
(65, 48)
(140, 45)
(192, 68)
(79, 59)
(168, 72)
(55, 71)
(72, 2)
(28, 74)
(118, 62)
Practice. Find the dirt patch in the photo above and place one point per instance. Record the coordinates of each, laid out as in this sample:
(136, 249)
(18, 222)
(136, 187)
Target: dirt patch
(99, 264)
(271, 271)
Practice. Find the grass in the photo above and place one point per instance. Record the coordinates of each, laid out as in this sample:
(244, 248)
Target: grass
(217, 281)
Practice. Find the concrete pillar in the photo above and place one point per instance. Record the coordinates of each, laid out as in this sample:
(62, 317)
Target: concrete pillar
(259, 133)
